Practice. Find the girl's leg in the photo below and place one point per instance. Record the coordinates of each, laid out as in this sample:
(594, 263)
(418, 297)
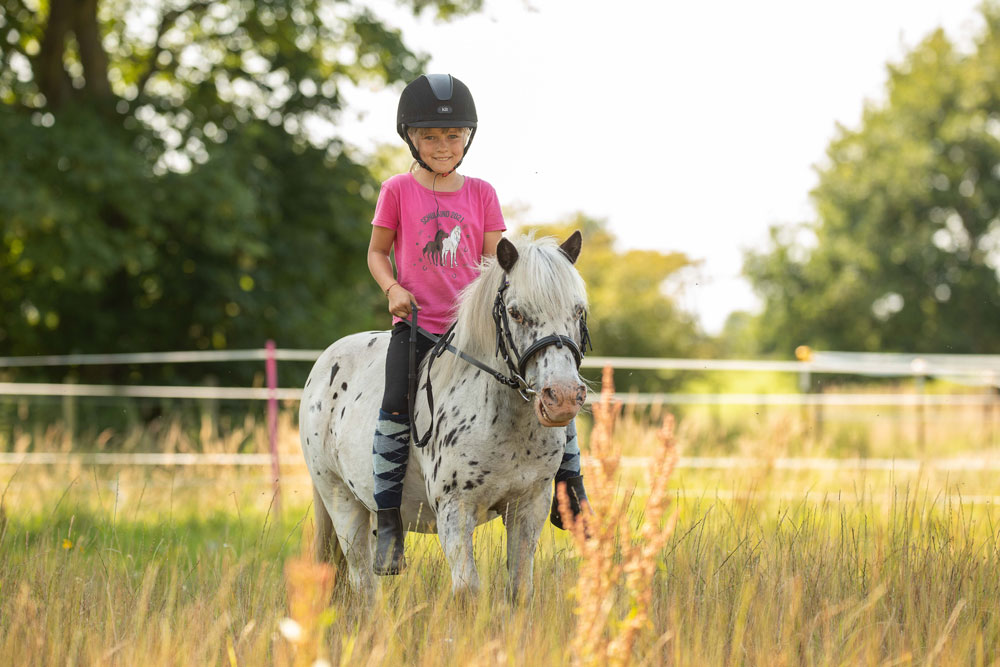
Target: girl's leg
(391, 451)
(569, 474)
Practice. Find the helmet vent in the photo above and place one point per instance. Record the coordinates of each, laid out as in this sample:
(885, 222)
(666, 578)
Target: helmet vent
(441, 85)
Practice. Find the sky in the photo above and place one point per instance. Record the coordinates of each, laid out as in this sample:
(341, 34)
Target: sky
(689, 126)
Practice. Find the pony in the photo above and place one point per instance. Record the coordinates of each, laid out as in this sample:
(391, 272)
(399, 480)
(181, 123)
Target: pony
(449, 246)
(495, 445)
(432, 249)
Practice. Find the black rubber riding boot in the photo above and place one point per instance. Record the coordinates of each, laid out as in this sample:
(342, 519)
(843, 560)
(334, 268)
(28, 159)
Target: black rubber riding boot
(389, 543)
(577, 496)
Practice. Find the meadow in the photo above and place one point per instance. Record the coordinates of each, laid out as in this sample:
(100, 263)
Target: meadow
(151, 566)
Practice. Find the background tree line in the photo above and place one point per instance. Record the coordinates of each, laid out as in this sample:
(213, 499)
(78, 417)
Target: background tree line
(159, 189)
(904, 253)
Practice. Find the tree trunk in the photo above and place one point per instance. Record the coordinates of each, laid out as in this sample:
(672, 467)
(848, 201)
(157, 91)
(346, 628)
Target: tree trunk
(92, 55)
(49, 71)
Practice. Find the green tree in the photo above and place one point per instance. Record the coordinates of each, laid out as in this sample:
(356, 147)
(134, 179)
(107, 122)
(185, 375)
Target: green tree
(160, 187)
(905, 251)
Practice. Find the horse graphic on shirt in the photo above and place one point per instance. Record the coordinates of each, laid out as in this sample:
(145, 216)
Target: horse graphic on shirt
(432, 251)
(449, 246)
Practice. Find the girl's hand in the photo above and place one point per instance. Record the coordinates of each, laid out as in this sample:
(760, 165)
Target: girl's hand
(399, 301)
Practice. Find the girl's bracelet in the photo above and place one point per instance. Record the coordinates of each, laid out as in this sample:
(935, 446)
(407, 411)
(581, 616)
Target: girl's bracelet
(389, 288)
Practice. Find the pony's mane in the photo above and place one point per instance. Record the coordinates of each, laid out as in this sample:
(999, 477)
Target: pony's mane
(541, 277)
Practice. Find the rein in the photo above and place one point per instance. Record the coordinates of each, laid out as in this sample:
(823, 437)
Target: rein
(505, 349)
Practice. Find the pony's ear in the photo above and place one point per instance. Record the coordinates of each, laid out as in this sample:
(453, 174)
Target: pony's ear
(571, 246)
(506, 254)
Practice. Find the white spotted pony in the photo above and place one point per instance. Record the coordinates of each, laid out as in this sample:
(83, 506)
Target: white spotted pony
(495, 446)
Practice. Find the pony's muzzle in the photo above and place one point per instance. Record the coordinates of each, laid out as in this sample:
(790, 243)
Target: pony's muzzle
(559, 403)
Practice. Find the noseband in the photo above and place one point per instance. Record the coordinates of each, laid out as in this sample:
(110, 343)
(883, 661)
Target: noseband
(506, 349)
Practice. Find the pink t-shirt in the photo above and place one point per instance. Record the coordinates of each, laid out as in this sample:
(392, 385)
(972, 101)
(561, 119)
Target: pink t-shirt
(438, 244)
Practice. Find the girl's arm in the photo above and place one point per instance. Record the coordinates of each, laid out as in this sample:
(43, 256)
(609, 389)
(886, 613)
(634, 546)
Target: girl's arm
(381, 269)
(490, 241)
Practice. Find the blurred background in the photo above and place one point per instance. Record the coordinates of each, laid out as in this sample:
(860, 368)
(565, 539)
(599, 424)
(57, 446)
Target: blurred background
(749, 178)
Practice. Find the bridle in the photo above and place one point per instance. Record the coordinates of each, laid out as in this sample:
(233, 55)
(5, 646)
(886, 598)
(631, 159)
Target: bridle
(506, 349)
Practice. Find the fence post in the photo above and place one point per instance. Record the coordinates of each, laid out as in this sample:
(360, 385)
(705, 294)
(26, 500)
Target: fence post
(919, 367)
(271, 368)
(804, 354)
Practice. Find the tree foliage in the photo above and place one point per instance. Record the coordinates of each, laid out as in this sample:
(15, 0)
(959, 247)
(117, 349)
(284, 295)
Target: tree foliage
(169, 178)
(905, 252)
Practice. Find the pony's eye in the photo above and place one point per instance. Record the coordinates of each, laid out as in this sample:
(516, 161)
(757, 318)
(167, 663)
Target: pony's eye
(516, 315)
(578, 312)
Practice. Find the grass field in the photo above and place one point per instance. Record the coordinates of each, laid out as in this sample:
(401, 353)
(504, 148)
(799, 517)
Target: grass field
(157, 566)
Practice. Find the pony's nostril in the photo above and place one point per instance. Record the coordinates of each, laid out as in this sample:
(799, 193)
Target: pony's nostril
(581, 395)
(549, 395)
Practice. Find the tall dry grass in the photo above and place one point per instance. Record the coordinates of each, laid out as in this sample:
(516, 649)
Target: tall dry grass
(617, 559)
(176, 567)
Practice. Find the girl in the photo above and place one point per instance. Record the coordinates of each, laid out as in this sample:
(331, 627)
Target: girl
(440, 224)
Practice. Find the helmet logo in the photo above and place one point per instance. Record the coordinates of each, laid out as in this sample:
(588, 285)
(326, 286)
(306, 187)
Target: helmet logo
(444, 108)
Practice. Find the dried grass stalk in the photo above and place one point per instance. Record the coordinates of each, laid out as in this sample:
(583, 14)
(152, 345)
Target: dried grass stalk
(618, 561)
(309, 586)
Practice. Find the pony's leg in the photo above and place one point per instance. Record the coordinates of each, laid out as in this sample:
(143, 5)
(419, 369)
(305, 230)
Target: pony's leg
(455, 524)
(352, 522)
(327, 549)
(524, 521)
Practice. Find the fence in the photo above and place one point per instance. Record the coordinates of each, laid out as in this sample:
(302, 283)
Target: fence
(979, 370)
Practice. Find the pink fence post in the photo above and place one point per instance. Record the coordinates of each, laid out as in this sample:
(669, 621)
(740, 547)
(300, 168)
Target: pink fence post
(271, 367)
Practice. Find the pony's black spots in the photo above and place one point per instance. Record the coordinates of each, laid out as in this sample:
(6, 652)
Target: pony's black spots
(527, 452)
(473, 463)
(372, 342)
(343, 386)
(308, 381)
(351, 482)
(358, 396)
(318, 406)
(479, 480)
(469, 485)
(472, 418)
(495, 418)
(554, 451)
(335, 395)
(452, 390)
(342, 411)
(333, 373)
(449, 438)
(307, 440)
(437, 465)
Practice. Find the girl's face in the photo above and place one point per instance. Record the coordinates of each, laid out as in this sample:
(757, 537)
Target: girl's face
(441, 147)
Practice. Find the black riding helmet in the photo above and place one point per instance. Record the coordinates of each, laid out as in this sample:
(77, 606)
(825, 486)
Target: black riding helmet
(435, 100)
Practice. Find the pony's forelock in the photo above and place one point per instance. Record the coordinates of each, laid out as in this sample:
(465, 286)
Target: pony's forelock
(541, 279)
